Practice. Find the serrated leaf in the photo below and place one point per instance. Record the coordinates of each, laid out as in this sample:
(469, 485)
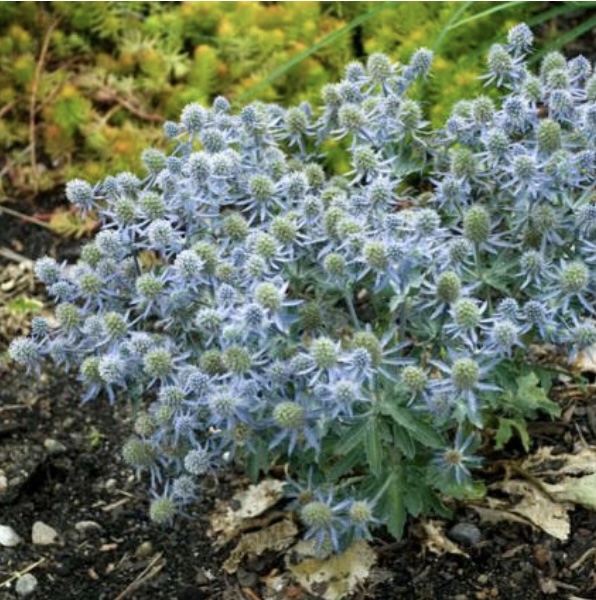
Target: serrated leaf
(373, 447)
(392, 506)
(403, 441)
(353, 437)
(532, 398)
(345, 464)
(505, 432)
(418, 429)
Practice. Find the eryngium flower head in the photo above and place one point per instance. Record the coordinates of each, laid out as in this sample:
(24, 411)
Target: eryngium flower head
(289, 415)
(162, 510)
(334, 264)
(80, 193)
(379, 67)
(324, 353)
(414, 378)
(47, 270)
(154, 160)
(193, 117)
(158, 362)
(138, 454)
(448, 287)
(466, 313)
(520, 38)
(477, 224)
(548, 136)
(421, 61)
(574, 278)
(268, 296)
(24, 351)
(465, 373)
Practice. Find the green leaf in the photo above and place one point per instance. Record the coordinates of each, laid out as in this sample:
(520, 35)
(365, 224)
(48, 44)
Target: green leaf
(373, 446)
(25, 305)
(392, 507)
(352, 438)
(414, 500)
(526, 395)
(417, 428)
(532, 398)
(345, 464)
(505, 432)
(404, 441)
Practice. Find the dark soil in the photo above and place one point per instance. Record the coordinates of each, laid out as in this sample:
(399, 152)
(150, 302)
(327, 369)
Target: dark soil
(123, 555)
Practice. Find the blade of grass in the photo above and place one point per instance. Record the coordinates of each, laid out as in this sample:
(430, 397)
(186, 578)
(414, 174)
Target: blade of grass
(568, 8)
(460, 10)
(566, 38)
(328, 39)
(485, 13)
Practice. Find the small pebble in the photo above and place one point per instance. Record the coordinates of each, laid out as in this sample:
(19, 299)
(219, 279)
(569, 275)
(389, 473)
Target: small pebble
(246, 579)
(26, 584)
(9, 537)
(144, 550)
(465, 534)
(85, 526)
(43, 535)
(53, 446)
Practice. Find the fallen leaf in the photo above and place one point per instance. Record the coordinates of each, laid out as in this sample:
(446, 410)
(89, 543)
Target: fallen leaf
(579, 490)
(435, 540)
(335, 577)
(276, 537)
(229, 518)
(554, 483)
(535, 506)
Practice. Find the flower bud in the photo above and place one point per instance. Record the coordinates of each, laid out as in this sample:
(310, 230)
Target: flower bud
(158, 363)
(80, 193)
(268, 296)
(324, 353)
(154, 160)
(288, 415)
(193, 117)
(414, 378)
(465, 373)
(574, 278)
(477, 224)
(548, 136)
(448, 287)
(162, 510)
(237, 360)
(466, 313)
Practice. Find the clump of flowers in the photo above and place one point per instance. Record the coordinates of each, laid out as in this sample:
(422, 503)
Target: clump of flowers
(270, 311)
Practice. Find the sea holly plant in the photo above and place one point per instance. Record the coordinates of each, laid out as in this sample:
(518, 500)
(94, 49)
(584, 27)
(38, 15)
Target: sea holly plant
(370, 329)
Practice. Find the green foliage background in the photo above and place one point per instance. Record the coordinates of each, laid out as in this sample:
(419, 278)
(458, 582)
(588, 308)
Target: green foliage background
(84, 87)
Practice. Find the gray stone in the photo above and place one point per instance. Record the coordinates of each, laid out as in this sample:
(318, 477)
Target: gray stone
(9, 537)
(54, 446)
(43, 535)
(246, 578)
(465, 534)
(85, 526)
(26, 584)
(19, 462)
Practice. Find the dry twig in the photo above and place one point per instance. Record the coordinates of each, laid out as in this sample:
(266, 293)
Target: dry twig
(34, 89)
(150, 571)
(22, 572)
